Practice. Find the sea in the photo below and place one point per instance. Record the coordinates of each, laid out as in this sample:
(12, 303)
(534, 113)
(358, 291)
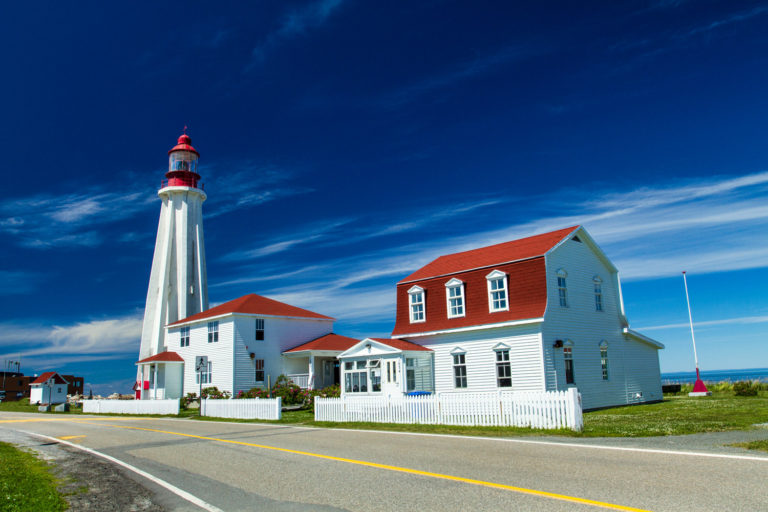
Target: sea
(759, 374)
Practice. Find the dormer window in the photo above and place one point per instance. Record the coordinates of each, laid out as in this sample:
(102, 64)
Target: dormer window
(598, 285)
(416, 304)
(454, 294)
(562, 289)
(497, 291)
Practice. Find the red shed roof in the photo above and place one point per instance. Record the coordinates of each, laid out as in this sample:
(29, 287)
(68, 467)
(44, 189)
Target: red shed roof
(163, 357)
(505, 252)
(330, 342)
(253, 304)
(401, 344)
(57, 379)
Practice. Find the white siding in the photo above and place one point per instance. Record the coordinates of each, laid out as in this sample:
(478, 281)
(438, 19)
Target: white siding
(586, 328)
(280, 334)
(525, 358)
(643, 373)
(219, 354)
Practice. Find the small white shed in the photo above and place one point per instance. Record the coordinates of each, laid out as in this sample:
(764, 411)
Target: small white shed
(48, 388)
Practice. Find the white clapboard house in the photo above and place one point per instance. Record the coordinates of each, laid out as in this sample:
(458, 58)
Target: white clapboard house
(244, 340)
(48, 388)
(536, 314)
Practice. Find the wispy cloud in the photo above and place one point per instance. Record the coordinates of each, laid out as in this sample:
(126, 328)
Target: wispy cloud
(708, 323)
(294, 24)
(728, 20)
(478, 66)
(95, 338)
(698, 225)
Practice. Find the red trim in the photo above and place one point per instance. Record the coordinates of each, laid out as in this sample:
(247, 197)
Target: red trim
(331, 342)
(163, 357)
(401, 344)
(57, 379)
(184, 144)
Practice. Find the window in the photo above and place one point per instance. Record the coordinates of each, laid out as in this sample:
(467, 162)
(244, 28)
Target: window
(568, 358)
(503, 369)
(497, 291)
(598, 293)
(206, 374)
(259, 329)
(460, 370)
(410, 374)
(213, 331)
(259, 375)
(562, 289)
(391, 371)
(416, 300)
(604, 359)
(355, 377)
(184, 333)
(374, 367)
(454, 293)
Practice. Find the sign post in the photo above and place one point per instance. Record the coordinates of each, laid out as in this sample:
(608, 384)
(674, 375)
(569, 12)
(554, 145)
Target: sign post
(201, 365)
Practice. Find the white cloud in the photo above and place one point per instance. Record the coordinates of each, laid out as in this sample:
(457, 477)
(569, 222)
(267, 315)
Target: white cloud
(95, 338)
(724, 321)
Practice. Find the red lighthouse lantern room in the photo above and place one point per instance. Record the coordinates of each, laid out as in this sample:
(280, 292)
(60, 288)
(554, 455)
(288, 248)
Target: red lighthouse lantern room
(182, 164)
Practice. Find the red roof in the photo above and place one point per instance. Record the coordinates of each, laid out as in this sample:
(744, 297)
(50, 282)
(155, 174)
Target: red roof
(330, 342)
(184, 144)
(523, 262)
(57, 379)
(505, 252)
(401, 344)
(163, 357)
(253, 304)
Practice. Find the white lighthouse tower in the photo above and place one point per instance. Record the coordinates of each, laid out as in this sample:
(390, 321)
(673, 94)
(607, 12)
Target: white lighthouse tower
(178, 283)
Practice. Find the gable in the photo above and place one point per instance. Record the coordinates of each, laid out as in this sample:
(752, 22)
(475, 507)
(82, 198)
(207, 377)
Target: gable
(527, 298)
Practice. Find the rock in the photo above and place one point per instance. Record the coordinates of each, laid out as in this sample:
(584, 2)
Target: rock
(62, 407)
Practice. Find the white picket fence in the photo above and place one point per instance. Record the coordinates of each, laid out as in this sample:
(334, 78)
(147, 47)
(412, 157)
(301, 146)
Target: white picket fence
(243, 408)
(546, 410)
(131, 406)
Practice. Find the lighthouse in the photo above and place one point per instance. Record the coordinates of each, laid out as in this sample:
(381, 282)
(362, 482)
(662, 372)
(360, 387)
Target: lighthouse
(178, 283)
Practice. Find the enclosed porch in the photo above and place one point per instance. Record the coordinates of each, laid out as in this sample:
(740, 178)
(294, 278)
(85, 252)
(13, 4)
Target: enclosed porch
(160, 377)
(315, 364)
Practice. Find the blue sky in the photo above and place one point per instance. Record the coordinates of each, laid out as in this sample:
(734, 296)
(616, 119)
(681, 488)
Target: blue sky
(344, 144)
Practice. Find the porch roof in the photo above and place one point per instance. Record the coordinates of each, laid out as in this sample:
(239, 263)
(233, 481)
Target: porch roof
(327, 343)
(162, 357)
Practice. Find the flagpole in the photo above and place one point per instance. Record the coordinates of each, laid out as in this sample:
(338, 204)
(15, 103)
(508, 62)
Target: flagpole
(699, 388)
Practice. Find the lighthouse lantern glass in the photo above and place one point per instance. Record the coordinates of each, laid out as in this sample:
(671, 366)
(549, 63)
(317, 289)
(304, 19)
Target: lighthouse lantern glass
(183, 161)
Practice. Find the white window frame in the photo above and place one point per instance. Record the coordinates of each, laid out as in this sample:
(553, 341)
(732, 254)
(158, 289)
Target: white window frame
(503, 364)
(213, 331)
(259, 328)
(598, 288)
(497, 275)
(259, 367)
(568, 357)
(459, 361)
(455, 284)
(604, 359)
(562, 287)
(184, 336)
(412, 294)
(356, 368)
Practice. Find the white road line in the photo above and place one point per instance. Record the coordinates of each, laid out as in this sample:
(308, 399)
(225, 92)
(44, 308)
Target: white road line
(162, 483)
(510, 440)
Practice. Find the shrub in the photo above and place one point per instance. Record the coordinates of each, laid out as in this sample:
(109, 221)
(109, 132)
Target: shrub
(187, 399)
(329, 392)
(290, 393)
(746, 388)
(213, 393)
(253, 393)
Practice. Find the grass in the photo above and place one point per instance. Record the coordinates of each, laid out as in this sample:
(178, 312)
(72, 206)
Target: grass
(761, 445)
(26, 483)
(673, 416)
(24, 406)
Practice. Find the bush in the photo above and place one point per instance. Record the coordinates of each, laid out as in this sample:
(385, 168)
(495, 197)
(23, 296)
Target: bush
(746, 388)
(187, 399)
(290, 393)
(253, 393)
(329, 392)
(213, 393)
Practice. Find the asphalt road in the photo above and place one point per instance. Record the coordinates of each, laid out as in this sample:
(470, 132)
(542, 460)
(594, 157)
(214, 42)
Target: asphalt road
(237, 466)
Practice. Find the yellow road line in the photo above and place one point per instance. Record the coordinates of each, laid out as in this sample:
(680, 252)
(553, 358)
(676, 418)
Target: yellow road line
(522, 490)
(70, 437)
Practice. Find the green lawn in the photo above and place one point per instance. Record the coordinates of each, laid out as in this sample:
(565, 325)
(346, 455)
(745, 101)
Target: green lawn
(26, 483)
(754, 445)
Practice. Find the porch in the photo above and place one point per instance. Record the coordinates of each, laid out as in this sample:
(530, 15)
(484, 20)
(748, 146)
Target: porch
(315, 364)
